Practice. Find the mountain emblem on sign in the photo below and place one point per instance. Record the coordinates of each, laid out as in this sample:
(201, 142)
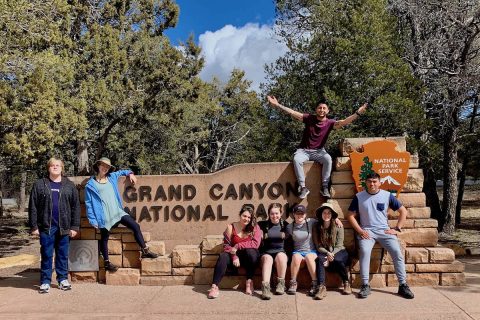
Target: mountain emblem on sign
(389, 180)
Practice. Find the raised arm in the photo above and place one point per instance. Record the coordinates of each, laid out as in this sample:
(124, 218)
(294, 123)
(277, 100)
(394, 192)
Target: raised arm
(294, 114)
(350, 119)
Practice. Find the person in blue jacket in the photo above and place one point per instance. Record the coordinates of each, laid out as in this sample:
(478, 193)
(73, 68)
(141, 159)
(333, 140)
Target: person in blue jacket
(104, 208)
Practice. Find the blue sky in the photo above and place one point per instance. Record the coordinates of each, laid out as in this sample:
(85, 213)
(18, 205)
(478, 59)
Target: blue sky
(232, 34)
(198, 16)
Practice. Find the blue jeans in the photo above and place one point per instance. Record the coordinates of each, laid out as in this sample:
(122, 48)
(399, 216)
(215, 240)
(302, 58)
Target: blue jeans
(50, 242)
(388, 242)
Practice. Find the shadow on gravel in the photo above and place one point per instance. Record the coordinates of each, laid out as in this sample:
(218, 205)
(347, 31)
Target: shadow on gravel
(14, 235)
(27, 279)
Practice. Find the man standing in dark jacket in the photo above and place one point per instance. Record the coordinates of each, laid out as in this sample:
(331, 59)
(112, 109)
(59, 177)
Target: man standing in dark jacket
(54, 215)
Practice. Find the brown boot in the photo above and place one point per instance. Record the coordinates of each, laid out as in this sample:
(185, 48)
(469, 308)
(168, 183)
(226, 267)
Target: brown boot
(266, 293)
(322, 292)
(347, 289)
(280, 289)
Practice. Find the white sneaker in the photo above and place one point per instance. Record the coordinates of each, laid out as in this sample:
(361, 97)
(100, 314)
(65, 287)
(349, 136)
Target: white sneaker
(44, 288)
(64, 285)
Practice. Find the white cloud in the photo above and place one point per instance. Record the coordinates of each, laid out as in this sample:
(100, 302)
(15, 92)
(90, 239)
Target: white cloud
(247, 48)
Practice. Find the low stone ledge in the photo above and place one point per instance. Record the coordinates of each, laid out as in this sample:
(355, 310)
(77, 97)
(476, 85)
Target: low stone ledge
(123, 277)
(413, 213)
(131, 259)
(342, 191)
(426, 223)
(421, 237)
(441, 255)
(115, 247)
(414, 181)
(209, 261)
(390, 268)
(377, 280)
(166, 280)
(348, 145)
(183, 271)
(452, 279)
(156, 267)
(128, 237)
(203, 276)
(87, 234)
(416, 279)
(157, 246)
(455, 266)
(83, 276)
(186, 256)
(416, 255)
(212, 244)
(413, 200)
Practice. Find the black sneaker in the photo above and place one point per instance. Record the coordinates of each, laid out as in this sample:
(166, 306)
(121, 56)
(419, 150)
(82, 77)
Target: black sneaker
(110, 266)
(146, 253)
(404, 291)
(364, 291)
(303, 193)
(326, 193)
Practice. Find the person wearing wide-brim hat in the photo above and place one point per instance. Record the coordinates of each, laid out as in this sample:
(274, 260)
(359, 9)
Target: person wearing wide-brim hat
(104, 207)
(328, 239)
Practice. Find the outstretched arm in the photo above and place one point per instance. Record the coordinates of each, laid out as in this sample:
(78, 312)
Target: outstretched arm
(350, 119)
(294, 114)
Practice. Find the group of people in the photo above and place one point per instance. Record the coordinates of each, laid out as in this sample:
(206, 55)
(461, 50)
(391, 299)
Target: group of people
(54, 216)
(317, 243)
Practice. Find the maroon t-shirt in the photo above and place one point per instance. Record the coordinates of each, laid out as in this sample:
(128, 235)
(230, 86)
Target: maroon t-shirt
(316, 132)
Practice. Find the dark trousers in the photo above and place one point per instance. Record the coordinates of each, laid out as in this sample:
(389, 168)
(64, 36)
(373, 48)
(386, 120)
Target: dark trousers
(248, 260)
(338, 265)
(50, 242)
(128, 222)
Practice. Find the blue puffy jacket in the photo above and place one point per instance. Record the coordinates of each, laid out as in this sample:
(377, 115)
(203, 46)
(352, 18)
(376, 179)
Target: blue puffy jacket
(93, 202)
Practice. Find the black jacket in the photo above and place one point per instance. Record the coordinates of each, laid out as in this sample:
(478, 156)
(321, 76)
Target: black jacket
(40, 206)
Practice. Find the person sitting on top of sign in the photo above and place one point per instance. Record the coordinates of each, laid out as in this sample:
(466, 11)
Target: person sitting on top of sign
(371, 205)
(315, 134)
(104, 208)
(241, 241)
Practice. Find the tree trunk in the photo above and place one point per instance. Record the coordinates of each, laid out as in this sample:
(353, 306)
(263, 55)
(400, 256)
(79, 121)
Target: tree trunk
(1, 194)
(450, 172)
(461, 189)
(82, 158)
(23, 184)
(430, 190)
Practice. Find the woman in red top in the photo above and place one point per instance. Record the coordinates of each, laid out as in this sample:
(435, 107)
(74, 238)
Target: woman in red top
(241, 240)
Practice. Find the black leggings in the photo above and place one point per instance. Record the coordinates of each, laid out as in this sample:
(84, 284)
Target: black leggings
(338, 265)
(248, 260)
(128, 222)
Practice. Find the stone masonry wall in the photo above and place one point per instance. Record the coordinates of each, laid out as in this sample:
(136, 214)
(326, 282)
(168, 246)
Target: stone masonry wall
(427, 263)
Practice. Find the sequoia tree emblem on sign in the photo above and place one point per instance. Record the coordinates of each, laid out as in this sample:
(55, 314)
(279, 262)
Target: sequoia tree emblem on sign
(383, 158)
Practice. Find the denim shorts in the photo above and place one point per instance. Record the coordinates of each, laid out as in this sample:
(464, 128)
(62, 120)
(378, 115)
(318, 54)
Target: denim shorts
(304, 253)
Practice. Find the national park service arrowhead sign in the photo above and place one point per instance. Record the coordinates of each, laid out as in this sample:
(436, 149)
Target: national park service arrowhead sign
(383, 158)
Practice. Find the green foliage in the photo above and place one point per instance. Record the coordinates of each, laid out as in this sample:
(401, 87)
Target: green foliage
(347, 52)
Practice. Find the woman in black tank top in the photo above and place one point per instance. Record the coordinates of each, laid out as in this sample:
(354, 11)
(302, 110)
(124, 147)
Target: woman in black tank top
(273, 250)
